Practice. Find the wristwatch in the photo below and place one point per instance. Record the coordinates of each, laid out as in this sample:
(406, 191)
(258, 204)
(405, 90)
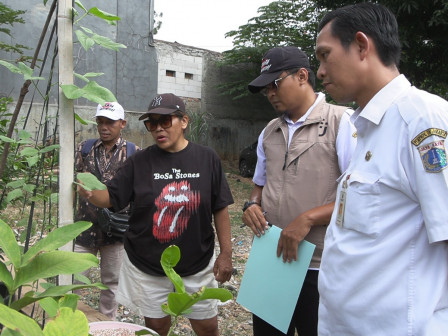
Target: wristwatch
(248, 204)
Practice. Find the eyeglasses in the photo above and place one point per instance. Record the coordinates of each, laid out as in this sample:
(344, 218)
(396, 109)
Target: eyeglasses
(165, 121)
(273, 85)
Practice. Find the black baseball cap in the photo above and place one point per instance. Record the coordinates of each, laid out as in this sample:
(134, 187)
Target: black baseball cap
(275, 61)
(165, 103)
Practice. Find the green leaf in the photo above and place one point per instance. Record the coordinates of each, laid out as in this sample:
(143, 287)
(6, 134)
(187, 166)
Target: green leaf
(29, 187)
(80, 5)
(26, 70)
(86, 76)
(87, 30)
(54, 197)
(6, 139)
(13, 195)
(50, 306)
(103, 15)
(92, 91)
(97, 93)
(107, 43)
(55, 291)
(23, 134)
(81, 120)
(17, 321)
(6, 277)
(81, 77)
(90, 182)
(71, 91)
(93, 74)
(16, 184)
(54, 263)
(32, 160)
(55, 239)
(86, 41)
(29, 151)
(49, 148)
(68, 323)
(170, 258)
(11, 67)
(69, 301)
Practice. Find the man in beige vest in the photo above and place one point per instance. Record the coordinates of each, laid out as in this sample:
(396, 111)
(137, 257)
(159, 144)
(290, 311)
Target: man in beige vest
(300, 155)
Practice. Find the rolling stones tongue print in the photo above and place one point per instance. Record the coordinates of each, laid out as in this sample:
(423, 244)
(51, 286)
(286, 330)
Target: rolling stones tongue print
(175, 204)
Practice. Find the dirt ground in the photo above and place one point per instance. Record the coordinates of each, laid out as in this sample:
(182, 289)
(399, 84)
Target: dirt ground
(233, 319)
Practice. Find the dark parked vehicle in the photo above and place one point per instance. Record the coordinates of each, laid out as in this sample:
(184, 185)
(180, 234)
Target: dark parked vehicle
(248, 160)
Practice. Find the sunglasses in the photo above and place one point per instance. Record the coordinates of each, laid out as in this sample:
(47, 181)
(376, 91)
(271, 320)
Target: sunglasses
(165, 121)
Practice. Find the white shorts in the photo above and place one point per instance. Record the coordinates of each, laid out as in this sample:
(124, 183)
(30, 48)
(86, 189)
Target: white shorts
(144, 293)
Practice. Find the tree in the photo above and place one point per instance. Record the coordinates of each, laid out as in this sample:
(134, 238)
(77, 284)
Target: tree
(281, 23)
(8, 17)
(423, 28)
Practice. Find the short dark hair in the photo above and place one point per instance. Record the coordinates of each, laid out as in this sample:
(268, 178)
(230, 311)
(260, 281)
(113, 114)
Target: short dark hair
(375, 20)
(311, 75)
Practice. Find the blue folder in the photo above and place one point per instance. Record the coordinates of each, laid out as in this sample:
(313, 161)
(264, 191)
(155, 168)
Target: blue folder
(269, 287)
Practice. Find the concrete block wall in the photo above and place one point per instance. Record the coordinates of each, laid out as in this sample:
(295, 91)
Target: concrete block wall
(183, 62)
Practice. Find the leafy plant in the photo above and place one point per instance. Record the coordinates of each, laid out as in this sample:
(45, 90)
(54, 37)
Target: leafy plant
(180, 302)
(43, 261)
(198, 124)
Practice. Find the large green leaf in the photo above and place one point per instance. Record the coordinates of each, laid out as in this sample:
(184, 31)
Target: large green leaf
(54, 263)
(9, 244)
(6, 277)
(28, 151)
(50, 305)
(55, 239)
(71, 91)
(170, 258)
(54, 291)
(98, 94)
(14, 194)
(90, 182)
(92, 91)
(103, 15)
(178, 303)
(86, 41)
(106, 42)
(6, 139)
(68, 323)
(49, 148)
(15, 320)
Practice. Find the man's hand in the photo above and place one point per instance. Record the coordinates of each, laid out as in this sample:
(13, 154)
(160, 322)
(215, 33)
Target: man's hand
(223, 268)
(83, 192)
(254, 218)
(291, 236)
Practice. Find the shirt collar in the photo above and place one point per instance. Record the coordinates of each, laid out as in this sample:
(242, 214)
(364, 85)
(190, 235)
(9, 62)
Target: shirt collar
(378, 105)
(319, 97)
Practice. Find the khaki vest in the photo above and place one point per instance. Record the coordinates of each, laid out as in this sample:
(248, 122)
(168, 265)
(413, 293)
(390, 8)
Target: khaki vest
(304, 176)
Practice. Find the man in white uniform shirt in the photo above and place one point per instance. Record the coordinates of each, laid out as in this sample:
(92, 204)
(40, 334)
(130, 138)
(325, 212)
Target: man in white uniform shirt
(384, 268)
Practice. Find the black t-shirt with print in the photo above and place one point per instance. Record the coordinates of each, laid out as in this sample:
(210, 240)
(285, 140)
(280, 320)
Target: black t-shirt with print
(174, 196)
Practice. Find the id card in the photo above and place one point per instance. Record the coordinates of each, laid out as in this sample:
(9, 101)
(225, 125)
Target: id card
(341, 205)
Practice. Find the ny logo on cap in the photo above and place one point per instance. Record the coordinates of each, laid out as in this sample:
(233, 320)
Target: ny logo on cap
(157, 101)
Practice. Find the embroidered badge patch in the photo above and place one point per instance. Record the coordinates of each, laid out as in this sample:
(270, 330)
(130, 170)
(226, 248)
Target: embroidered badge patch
(433, 156)
(427, 133)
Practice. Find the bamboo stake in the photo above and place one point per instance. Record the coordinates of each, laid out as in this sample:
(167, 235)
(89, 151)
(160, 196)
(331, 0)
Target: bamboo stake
(66, 122)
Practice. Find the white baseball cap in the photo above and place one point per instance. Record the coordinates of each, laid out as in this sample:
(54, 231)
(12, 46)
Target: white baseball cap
(113, 111)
